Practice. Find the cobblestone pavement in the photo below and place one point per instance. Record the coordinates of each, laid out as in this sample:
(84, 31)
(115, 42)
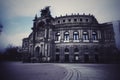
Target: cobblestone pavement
(92, 71)
(58, 71)
(31, 71)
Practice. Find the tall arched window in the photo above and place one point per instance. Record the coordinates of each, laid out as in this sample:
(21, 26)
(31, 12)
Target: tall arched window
(66, 36)
(94, 35)
(57, 36)
(75, 35)
(85, 35)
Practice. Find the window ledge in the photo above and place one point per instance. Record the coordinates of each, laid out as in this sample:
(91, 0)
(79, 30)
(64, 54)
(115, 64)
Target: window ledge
(67, 41)
(66, 52)
(57, 53)
(76, 41)
(86, 41)
(95, 41)
(76, 52)
(57, 41)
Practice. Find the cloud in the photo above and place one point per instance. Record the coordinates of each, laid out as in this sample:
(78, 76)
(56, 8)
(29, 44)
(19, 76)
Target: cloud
(15, 8)
(100, 8)
(31, 7)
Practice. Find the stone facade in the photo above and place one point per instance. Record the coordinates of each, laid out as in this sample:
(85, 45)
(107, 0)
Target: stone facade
(116, 28)
(70, 38)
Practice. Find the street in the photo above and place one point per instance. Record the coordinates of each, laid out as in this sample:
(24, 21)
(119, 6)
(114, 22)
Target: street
(58, 71)
(92, 71)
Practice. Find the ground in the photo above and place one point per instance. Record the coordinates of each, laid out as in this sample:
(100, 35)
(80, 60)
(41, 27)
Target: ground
(58, 71)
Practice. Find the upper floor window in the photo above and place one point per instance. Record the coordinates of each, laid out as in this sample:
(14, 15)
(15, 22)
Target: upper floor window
(69, 20)
(81, 19)
(87, 20)
(85, 35)
(63, 20)
(75, 20)
(57, 36)
(75, 35)
(94, 35)
(58, 21)
(66, 36)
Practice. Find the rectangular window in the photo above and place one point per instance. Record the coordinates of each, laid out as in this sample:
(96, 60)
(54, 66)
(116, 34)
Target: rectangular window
(75, 37)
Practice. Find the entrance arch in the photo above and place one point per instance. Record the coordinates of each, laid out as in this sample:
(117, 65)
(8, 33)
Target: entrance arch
(76, 55)
(96, 57)
(37, 50)
(66, 55)
(86, 58)
(57, 59)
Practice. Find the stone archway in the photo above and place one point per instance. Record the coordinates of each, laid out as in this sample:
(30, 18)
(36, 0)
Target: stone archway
(86, 57)
(57, 58)
(66, 55)
(76, 54)
(37, 51)
(96, 56)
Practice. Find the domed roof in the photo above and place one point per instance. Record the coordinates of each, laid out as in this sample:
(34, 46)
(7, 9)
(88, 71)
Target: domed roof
(77, 19)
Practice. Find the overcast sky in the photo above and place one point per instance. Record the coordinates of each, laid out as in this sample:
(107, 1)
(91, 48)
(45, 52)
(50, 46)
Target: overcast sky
(16, 15)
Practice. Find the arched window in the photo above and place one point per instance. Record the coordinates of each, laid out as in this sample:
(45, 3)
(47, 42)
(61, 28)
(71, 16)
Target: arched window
(37, 50)
(87, 20)
(66, 36)
(75, 20)
(63, 20)
(57, 36)
(58, 21)
(66, 50)
(94, 35)
(76, 50)
(75, 35)
(81, 20)
(69, 20)
(57, 50)
(85, 35)
(41, 24)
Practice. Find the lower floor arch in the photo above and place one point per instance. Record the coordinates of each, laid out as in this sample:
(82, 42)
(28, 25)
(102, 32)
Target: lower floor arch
(57, 57)
(86, 58)
(66, 58)
(96, 56)
(76, 58)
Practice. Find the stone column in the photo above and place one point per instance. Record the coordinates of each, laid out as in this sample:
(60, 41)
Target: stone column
(71, 54)
(62, 54)
(90, 34)
(71, 35)
(99, 35)
(62, 35)
(80, 34)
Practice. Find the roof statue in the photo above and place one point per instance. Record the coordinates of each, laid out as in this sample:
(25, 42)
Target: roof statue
(45, 12)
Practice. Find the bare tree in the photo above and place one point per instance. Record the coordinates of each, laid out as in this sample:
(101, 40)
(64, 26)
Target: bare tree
(1, 28)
